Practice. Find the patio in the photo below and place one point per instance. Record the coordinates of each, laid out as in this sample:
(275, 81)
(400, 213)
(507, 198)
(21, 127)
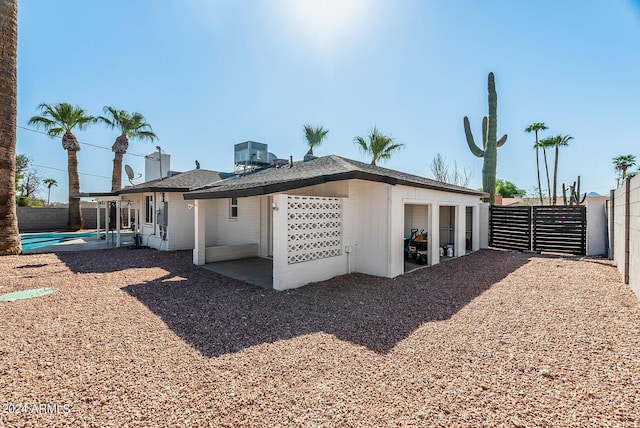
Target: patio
(255, 270)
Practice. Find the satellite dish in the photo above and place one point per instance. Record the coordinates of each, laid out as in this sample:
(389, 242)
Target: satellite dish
(131, 174)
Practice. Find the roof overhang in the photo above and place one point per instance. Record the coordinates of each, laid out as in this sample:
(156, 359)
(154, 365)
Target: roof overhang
(267, 189)
(152, 189)
(95, 195)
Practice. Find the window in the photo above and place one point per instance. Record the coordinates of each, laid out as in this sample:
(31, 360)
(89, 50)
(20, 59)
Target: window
(233, 208)
(148, 209)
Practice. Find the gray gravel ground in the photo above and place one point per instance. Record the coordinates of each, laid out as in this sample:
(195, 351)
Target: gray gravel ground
(144, 338)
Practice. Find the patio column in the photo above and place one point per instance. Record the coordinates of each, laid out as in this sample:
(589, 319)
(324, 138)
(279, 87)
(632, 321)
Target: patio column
(107, 219)
(98, 219)
(475, 233)
(200, 217)
(461, 231)
(118, 205)
(434, 234)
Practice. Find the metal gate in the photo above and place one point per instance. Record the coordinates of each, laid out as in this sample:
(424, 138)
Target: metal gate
(560, 229)
(557, 228)
(510, 227)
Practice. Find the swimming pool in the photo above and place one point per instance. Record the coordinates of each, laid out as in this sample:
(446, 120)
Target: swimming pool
(31, 241)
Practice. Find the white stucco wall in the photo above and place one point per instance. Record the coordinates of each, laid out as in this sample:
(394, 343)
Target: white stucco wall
(415, 217)
(180, 234)
(245, 229)
(619, 227)
(371, 219)
(596, 228)
(287, 276)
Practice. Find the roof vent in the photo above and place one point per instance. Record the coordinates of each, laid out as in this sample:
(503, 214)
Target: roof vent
(309, 157)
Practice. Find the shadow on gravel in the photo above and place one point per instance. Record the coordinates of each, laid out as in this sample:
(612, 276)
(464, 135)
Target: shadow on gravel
(218, 315)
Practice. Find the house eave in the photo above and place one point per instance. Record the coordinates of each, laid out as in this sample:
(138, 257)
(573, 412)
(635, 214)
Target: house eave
(153, 189)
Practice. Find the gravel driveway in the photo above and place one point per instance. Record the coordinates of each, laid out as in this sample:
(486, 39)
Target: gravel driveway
(144, 338)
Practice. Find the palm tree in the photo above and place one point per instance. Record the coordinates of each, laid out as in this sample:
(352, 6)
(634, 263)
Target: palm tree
(9, 233)
(622, 163)
(535, 127)
(50, 182)
(130, 125)
(379, 146)
(557, 141)
(314, 135)
(60, 120)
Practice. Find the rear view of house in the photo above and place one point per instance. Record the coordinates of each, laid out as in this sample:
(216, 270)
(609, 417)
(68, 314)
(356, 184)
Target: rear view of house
(331, 216)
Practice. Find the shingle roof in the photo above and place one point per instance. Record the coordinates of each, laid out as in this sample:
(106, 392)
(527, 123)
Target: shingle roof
(321, 170)
(182, 182)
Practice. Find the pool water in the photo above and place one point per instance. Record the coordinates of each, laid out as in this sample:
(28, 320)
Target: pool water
(31, 241)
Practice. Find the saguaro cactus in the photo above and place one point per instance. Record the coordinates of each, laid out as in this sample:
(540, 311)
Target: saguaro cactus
(574, 197)
(490, 143)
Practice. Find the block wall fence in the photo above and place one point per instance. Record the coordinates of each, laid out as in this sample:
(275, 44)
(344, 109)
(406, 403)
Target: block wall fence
(624, 231)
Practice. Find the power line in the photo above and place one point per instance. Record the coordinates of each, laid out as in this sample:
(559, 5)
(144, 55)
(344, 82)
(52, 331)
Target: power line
(64, 170)
(83, 143)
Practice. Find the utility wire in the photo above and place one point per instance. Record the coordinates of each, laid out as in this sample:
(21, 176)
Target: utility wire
(83, 143)
(64, 170)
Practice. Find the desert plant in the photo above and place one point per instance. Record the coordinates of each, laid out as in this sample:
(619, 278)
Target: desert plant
(574, 195)
(314, 136)
(378, 146)
(490, 143)
(622, 163)
(50, 182)
(556, 142)
(59, 120)
(535, 127)
(130, 125)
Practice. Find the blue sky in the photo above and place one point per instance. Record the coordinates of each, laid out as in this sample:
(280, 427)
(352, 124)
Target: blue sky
(211, 73)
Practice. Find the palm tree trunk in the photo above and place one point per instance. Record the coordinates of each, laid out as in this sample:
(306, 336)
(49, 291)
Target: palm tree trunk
(9, 233)
(538, 168)
(546, 167)
(116, 176)
(48, 195)
(555, 175)
(75, 214)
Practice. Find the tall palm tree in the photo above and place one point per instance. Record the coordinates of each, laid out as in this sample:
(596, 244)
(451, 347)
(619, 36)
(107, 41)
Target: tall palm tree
(622, 163)
(50, 182)
(535, 127)
(59, 120)
(9, 233)
(379, 146)
(314, 135)
(131, 125)
(557, 142)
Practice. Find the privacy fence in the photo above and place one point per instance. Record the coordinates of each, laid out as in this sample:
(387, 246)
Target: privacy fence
(558, 228)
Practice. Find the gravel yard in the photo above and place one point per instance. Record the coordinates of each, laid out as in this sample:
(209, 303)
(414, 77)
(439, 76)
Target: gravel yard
(144, 338)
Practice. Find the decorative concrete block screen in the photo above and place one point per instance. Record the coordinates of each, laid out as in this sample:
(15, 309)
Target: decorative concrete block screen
(314, 227)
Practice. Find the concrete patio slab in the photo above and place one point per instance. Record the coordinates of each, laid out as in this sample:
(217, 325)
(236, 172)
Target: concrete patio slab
(255, 270)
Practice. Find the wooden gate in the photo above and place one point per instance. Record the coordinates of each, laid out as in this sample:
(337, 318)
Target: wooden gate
(560, 229)
(510, 227)
(556, 228)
